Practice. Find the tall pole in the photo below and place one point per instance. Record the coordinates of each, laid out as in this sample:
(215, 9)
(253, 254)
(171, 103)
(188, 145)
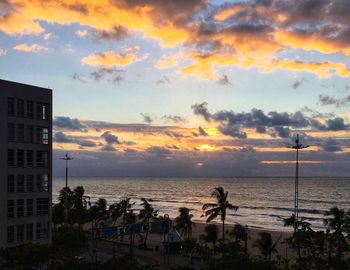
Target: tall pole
(66, 158)
(297, 147)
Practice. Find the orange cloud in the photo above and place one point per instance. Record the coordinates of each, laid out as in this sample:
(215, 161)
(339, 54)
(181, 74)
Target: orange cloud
(109, 59)
(32, 48)
(167, 62)
(224, 14)
(311, 42)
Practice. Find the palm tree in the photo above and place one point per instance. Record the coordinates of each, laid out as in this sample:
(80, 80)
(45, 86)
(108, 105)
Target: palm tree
(146, 214)
(98, 212)
(266, 245)
(80, 204)
(66, 199)
(213, 210)
(339, 221)
(211, 234)
(184, 223)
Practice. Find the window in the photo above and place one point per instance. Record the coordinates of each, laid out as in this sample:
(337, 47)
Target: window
(42, 159)
(42, 111)
(10, 183)
(42, 135)
(11, 157)
(20, 158)
(20, 107)
(29, 232)
(30, 134)
(10, 208)
(30, 183)
(20, 208)
(10, 234)
(42, 183)
(30, 158)
(11, 106)
(11, 132)
(20, 133)
(42, 230)
(42, 206)
(30, 109)
(20, 183)
(20, 233)
(30, 207)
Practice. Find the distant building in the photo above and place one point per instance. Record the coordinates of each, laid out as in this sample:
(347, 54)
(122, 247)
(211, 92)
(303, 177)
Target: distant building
(25, 163)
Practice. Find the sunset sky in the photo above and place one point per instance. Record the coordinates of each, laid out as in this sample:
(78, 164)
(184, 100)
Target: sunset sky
(187, 87)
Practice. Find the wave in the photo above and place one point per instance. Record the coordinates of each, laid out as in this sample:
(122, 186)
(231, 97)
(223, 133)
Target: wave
(289, 209)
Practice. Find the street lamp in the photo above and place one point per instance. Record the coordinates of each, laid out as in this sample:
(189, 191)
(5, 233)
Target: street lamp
(66, 158)
(298, 146)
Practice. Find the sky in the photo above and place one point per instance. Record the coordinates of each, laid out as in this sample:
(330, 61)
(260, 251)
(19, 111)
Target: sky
(187, 87)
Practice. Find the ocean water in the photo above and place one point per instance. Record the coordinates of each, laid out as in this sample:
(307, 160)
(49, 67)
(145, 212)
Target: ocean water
(262, 202)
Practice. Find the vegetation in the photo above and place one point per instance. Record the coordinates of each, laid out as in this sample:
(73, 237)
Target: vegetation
(321, 250)
(213, 210)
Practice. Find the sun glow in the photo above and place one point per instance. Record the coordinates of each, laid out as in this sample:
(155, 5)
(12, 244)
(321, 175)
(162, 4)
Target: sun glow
(206, 147)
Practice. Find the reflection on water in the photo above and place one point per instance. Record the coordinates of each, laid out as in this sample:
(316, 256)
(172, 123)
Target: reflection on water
(261, 201)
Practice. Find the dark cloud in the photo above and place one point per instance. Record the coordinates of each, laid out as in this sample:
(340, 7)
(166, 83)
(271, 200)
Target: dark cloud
(79, 77)
(202, 132)
(108, 148)
(330, 100)
(224, 80)
(296, 84)
(60, 137)
(118, 33)
(110, 138)
(173, 134)
(146, 118)
(274, 123)
(163, 80)
(158, 151)
(113, 74)
(67, 123)
(174, 118)
(331, 145)
(202, 110)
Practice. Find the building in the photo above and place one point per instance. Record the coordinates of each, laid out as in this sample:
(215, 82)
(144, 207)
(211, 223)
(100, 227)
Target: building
(25, 163)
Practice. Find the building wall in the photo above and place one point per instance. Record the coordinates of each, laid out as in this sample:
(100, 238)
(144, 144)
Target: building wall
(25, 163)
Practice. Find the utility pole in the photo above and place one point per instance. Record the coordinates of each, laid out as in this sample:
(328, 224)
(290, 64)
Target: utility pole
(66, 158)
(298, 146)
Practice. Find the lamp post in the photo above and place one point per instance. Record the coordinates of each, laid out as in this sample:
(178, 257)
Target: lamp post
(66, 158)
(298, 146)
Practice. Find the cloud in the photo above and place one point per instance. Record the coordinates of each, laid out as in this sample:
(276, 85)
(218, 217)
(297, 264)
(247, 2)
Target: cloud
(331, 145)
(32, 48)
(117, 32)
(47, 36)
(331, 100)
(224, 80)
(81, 33)
(3, 52)
(201, 132)
(158, 151)
(167, 62)
(110, 138)
(164, 80)
(146, 118)
(60, 137)
(109, 59)
(108, 148)
(297, 83)
(177, 119)
(68, 123)
(274, 123)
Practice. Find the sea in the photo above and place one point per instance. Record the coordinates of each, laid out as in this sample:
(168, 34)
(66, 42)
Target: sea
(263, 202)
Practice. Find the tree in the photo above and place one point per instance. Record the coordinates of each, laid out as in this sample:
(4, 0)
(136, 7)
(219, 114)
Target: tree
(213, 210)
(146, 214)
(57, 214)
(339, 221)
(210, 234)
(184, 223)
(115, 211)
(266, 245)
(80, 204)
(97, 212)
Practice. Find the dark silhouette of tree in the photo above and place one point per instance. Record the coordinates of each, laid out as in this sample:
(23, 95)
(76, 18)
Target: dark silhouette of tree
(98, 212)
(266, 245)
(338, 221)
(146, 214)
(57, 214)
(213, 210)
(211, 233)
(184, 223)
(115, 212)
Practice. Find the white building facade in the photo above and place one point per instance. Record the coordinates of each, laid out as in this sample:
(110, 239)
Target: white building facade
(25, 164)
